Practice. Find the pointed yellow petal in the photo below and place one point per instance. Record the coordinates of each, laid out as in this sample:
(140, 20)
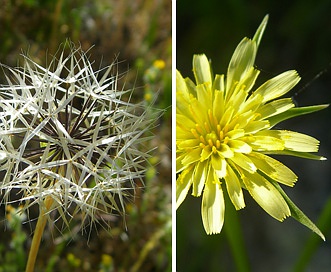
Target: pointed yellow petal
(225, 151)
(273, 169)
(278, 85)
(299, 142)
(275, 107)
(217, 161)
(191, 143)
(179, 158)
(244, 162)
(241, 62)
(191, 87)
(218, 83)
(205, 154)
(255, 126)
(239, 146)
(181, 85)
(249, 79)
(201, 69)
(294, 140)
(234, 188)
(204, 100)
(183, 184)
(265, 143)
(199, 178)
(184, 121)
(218, 104)
(212, 208)
(191, 156)
(266, 195)
(235, 133)
(221, 171)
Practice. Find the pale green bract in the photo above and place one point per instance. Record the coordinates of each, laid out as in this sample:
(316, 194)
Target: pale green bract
(224, 137)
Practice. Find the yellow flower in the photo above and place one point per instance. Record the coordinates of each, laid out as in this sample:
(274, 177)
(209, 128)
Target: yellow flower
(159, 64)
(225, 136)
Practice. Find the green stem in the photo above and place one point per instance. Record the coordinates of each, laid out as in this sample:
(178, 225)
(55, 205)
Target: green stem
(41, 223)
(234, 235)
(149, 246)
(54, 31)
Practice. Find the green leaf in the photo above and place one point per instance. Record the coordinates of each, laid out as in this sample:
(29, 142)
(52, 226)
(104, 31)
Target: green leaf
(296, 213)
(274, 120)
(313, 242)
(259, 32)
(305, 155)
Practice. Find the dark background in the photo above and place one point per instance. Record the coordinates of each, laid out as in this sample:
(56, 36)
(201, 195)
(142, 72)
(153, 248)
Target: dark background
(298, 36)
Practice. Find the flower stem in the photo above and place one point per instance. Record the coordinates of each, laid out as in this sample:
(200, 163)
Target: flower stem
(41, 223)
(235, 237)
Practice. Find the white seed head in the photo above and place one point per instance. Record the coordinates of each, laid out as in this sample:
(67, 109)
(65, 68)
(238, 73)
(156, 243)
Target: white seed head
(68, 134)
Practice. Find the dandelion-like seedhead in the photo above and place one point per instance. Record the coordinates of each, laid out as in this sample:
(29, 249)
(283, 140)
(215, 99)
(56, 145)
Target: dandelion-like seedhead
(69, 138)
(225, 136)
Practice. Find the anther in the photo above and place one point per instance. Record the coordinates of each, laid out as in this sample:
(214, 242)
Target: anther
(195, 134)
(226, 140)
(202, 139)
(207, 128)
(198, 128)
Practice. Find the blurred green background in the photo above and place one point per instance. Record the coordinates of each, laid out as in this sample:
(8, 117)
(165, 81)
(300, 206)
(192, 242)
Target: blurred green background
(298, 36)
(139, 33)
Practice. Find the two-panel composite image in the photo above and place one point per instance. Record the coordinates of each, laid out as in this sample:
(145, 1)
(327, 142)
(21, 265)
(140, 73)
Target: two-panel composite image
(165, 136)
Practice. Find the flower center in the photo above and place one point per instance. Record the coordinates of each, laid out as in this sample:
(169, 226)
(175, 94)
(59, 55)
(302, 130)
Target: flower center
(215, 138)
